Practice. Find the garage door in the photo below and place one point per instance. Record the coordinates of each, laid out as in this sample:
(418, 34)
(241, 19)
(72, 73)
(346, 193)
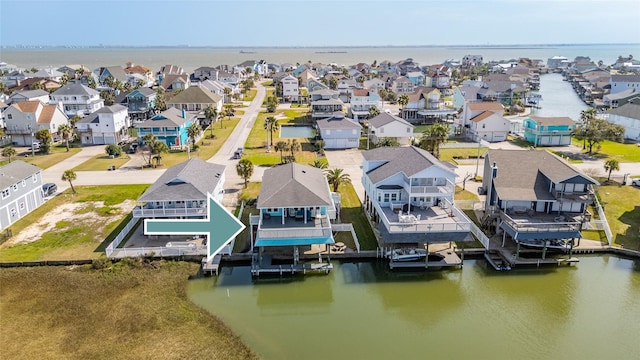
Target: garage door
(499, 137)
(109, 140)
(335, 143)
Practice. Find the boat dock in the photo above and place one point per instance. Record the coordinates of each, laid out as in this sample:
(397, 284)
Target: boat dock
(502, 258)
(434, 259)
(212, 266)
(266, 266)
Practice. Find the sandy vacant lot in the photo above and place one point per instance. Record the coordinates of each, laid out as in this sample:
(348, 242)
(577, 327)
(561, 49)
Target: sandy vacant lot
(73, 213)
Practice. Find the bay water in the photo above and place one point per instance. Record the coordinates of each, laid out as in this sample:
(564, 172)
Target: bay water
(365, 311)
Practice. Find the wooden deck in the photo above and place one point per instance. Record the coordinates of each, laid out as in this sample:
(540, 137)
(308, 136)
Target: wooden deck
(212, 266)
(450, 259)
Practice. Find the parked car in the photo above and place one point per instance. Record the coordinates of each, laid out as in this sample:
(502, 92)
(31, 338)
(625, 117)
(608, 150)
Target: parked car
(35, 145)
(49, 189)
(635, 182)
(238, 153)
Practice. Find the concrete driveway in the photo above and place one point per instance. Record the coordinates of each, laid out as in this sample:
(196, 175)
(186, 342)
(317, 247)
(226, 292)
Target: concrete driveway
(350, 161)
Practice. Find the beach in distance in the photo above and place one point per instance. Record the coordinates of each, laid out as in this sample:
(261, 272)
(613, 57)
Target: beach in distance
(191, 58)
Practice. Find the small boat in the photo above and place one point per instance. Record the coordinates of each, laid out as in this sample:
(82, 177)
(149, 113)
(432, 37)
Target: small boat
(407, 254)
(552, 244)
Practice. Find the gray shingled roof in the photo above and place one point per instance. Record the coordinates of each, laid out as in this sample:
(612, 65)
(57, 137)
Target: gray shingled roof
(521, 173)
(625, 78)
(195, 95)
(338, 122)
(144, 91)
(384, 118)
(15, 172)
(168, 118)
(293, 185)
(408, 160)
(627, 110)
(190, 180)
(76, 89)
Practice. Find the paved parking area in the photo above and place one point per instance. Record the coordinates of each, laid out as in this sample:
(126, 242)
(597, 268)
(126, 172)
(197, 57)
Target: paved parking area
(350, 161)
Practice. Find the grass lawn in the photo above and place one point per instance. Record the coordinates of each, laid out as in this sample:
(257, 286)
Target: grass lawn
(518, 141)
(102, 162)
(351, 212)
(614, 150)
(270, 92)
(250, 95)
(129, 310)
(210, 147)
(622, 209)
(571, 156)
(79, 231)
(255, 147)
(460, 153)
(58, 153)
(464, 194)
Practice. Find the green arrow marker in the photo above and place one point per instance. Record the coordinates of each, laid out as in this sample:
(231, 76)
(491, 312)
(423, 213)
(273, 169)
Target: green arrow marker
(220, 226)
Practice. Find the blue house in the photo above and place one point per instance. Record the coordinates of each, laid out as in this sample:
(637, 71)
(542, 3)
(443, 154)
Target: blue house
(140, 103)
(416, 77)
(170, 127)
(548, 131)
(295, 208)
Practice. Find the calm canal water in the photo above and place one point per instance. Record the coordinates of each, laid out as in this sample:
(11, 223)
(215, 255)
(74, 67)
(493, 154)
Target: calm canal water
(364, 311)
(558, 98)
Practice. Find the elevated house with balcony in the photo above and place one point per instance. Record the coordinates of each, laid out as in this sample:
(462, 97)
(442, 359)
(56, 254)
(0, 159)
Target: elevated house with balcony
(548, 131)
(140, 104)
(426, 105)
(295, 210)
(534, 196)
(25, 118)
(181, 191)
(108, 125)
(77, 99)
(324, 102)
(361, 101)
(409, 194)
(170, 127)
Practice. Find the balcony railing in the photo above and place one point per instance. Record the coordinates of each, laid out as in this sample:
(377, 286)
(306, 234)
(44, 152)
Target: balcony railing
(454, 221)
(321, 229)
(419, 190)
(575, 195)
(530, 225)
(548, 132)
(140, 211)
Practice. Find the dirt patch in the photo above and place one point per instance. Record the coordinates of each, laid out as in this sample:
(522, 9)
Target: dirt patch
(70, 214)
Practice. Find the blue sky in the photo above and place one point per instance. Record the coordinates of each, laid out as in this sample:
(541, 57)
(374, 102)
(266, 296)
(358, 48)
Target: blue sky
(318, 23)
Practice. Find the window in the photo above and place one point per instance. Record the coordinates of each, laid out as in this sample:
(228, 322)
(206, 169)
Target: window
(13, 211)
(9, 116)
(24, 183)
(21, 206)
(5, 193)
(35, 178)
(14, 187)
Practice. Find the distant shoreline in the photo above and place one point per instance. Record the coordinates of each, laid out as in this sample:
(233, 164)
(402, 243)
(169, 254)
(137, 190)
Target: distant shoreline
(484, 46)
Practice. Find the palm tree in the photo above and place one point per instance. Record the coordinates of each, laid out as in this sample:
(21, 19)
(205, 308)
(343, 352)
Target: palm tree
(336, 177)
(373, 112)
(281, 146)
(244, 168)
(228, 111)
(580, 132)
(70, 175)
(610, 166)
(160, 102)
(157, 149)
(403, 100)
(320, 164)
(383, 95)
(44, 136)
(227, 93)
(294, 146)
(271, 125)
(149, 140)
(192, 132)
(433, 137)
(388, 142)
(9, 152)
(211, 113)
(139, 83)
(67, 132)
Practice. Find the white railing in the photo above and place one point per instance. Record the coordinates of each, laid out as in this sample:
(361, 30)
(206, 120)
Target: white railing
(470, 204)
(147, 212)
(293, 233)
(347, 227)
(480, 235)
(603, 217)
(123, 233)
(528, 226)
(157, 251)
(462, 223)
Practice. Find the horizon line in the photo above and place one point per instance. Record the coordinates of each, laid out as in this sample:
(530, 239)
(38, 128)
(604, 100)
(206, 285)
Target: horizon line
(304, 46)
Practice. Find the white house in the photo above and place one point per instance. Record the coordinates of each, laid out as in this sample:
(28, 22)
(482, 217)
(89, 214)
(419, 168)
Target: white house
(409, 193)
(386, 125)
(77, 99)
(290, 90)
(26, 95)
(621, 83)
(627, 116)
(25, 118)
(339, 132)
(108, 125)
(489, 126)
(361, 101)
(473, 109)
